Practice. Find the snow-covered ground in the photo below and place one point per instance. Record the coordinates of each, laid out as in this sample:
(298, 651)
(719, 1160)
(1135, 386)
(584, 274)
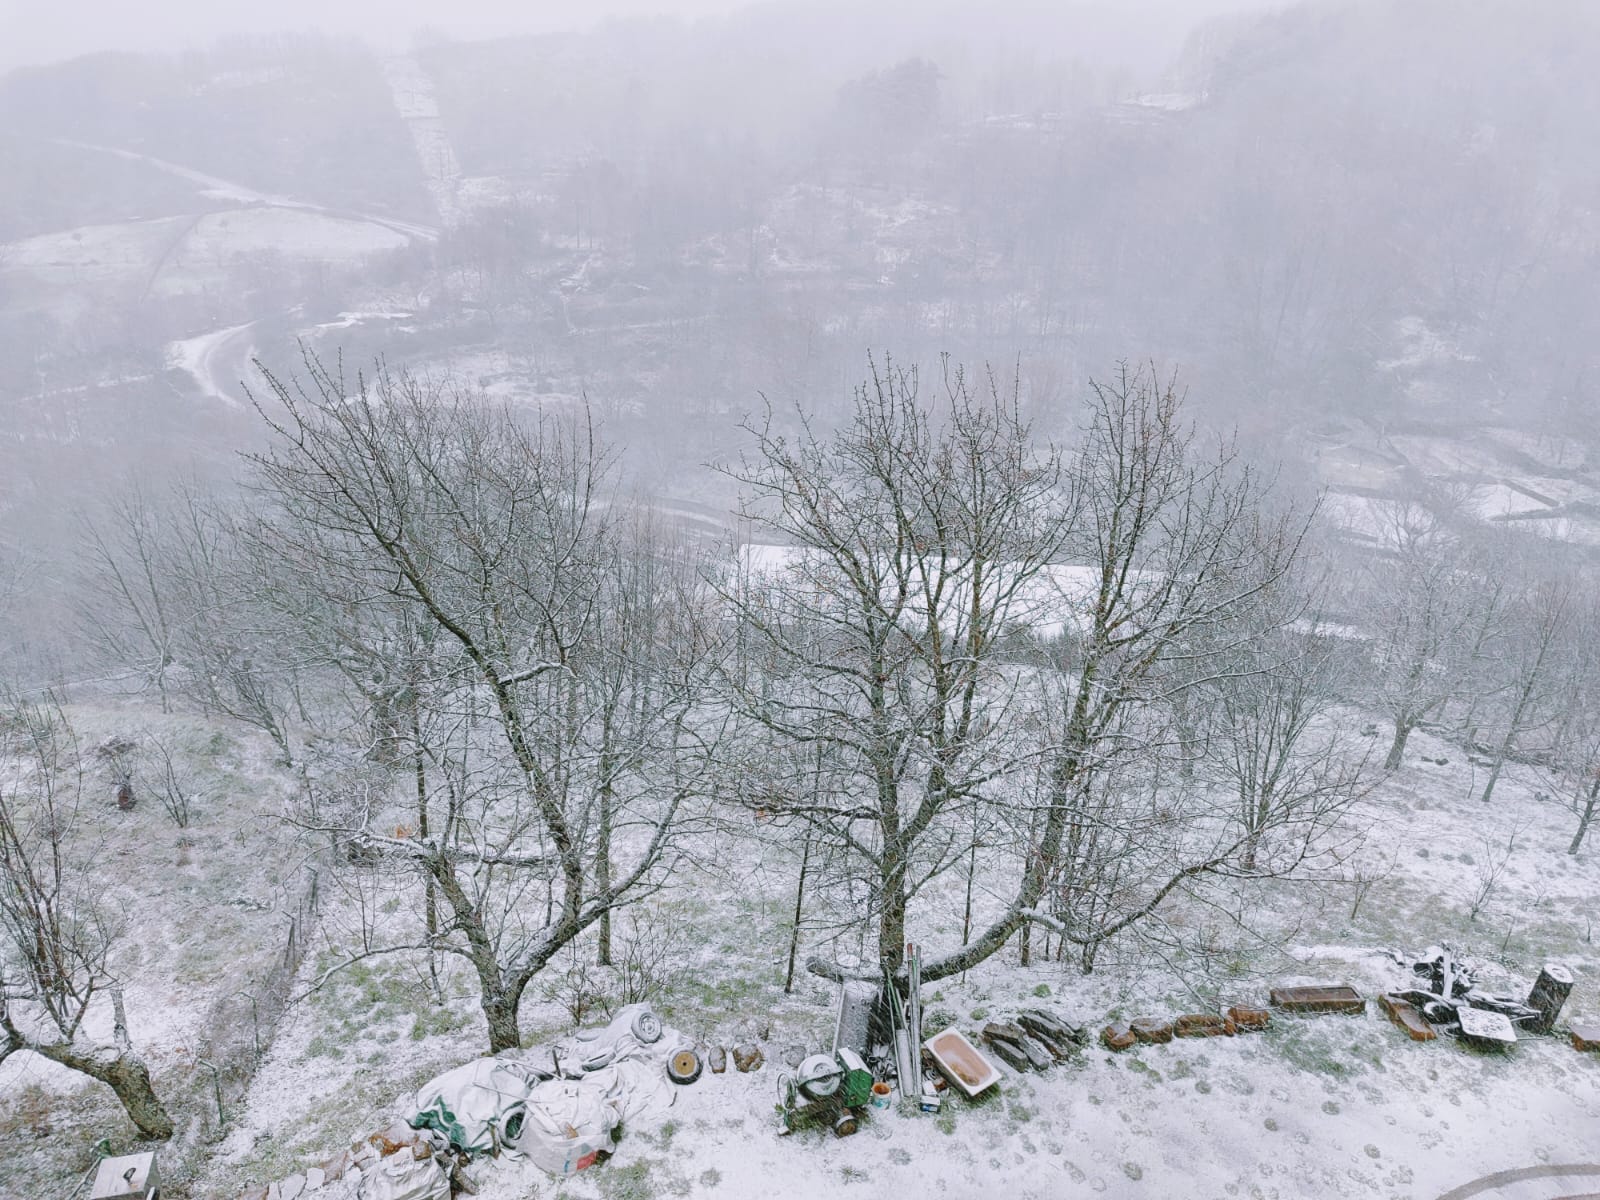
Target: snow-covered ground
(200, 356)
(414, 99)
(1326, 1106)
(204, 908)
(93, 255)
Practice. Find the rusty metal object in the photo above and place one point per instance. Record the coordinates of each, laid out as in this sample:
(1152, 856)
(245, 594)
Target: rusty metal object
(1484, 1027)
(1585, 1037)
(1406, 1015)
(1318, 998)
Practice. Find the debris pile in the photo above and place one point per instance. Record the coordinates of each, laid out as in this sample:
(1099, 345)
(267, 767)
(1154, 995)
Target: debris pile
(1036, 1040)
(393, 1163)
(1452, 1001)
(558, 1108)
(878, 1041)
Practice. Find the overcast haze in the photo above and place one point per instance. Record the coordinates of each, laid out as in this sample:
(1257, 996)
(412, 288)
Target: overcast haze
(1026, 529)
(35, 31)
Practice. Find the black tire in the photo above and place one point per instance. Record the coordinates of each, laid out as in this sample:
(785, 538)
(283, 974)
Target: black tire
(684, 1065)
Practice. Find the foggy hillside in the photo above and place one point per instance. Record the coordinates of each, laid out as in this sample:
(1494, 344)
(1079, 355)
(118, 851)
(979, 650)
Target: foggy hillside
(1087, 506)
(1350, 211)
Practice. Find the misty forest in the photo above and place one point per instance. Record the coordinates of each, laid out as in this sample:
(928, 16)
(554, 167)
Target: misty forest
(901, 555)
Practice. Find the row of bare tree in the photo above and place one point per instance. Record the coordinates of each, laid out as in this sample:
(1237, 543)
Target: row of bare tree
(1067, 684)
(1488, 637)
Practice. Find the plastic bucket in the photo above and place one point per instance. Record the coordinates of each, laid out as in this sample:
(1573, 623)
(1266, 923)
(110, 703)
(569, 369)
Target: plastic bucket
(880, 1095)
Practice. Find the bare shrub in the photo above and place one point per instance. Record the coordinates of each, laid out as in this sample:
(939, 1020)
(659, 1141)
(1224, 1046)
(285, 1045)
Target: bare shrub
(648, 959)
(172, 786)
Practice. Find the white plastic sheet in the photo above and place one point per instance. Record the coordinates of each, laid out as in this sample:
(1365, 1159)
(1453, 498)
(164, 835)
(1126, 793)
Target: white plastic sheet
(611, 1075)
(474, 1105)
(403, 1176)
(568, 1122)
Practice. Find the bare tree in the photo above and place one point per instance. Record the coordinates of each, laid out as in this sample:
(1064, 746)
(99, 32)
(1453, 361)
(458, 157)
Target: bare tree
(1538, 636)
(1157, 563)
(1420, 593)
(546, 659)
(1276, 744)
(56, 937)
(910, 541)
(1180, 561)
(167, 602)
(172, 784)
(1575, 749)
(129, 597)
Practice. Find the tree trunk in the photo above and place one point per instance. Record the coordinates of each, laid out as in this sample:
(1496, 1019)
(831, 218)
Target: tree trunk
(1585, 816)
(430, 897)
(497, 996)
(1256, 813)
(602, 874)
(799, 912)
(1550, 991)
(1397, 748)
(972, 871)
(602, 840)
(1494, 775)
(125, 1074)
(501, 1012)
(892, 918)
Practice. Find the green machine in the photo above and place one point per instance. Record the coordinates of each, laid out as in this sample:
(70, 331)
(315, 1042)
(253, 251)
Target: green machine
(826, 1089)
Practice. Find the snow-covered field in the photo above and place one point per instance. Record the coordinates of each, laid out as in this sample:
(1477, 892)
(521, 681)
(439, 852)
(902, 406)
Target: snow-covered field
(93, 255)
(1327, 1106)
(204, 908)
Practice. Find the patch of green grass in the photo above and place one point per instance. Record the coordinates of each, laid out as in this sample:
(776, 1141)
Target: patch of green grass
(1042, 990)
(438, 1020)
(1322, 1048)
(631, 1182)
(322, 1047)
(1140, 1067)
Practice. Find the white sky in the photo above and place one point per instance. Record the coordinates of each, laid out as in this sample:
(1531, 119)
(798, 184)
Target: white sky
(41, 31)
(36, 31)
